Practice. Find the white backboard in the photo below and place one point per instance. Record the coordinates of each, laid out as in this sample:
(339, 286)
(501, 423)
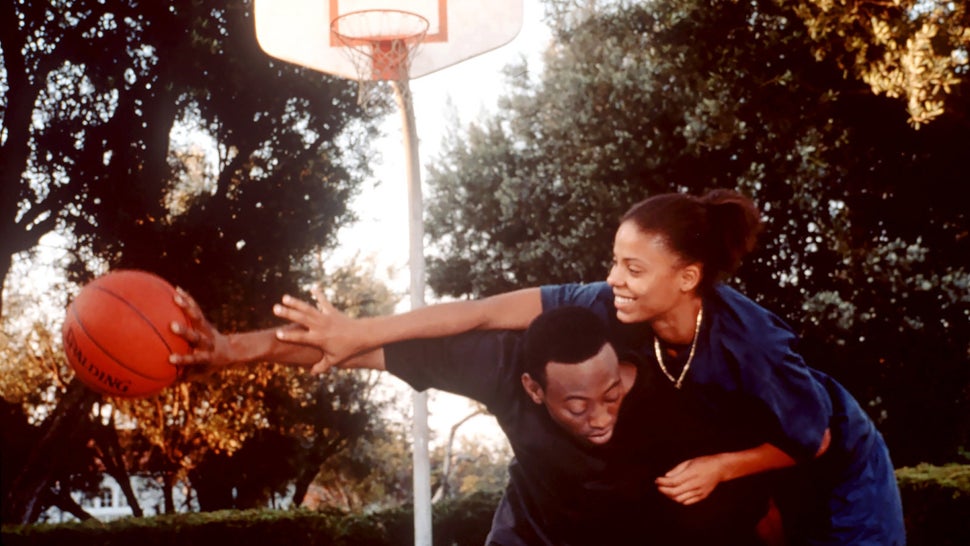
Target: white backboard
(299, 31)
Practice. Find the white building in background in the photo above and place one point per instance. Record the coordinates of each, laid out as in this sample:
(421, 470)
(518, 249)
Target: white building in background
(110, 503)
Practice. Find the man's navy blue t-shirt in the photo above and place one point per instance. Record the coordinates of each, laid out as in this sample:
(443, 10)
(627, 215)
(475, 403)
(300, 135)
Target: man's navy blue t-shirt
(562, 491)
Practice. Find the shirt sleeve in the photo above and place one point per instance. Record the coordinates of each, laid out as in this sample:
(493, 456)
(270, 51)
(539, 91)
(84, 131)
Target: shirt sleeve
(597, 296)
(481, 365)
(779, 386)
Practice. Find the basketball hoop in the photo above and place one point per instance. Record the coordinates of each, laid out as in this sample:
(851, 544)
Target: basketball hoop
(381, 44)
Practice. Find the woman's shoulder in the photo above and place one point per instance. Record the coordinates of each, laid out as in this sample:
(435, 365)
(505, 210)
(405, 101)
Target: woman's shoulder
(741, 324)
(592, 295)
(734, 309)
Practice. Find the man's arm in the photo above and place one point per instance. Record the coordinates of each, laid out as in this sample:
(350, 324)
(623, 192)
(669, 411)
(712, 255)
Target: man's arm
(483, 366)
(340, 337)
(210, 348)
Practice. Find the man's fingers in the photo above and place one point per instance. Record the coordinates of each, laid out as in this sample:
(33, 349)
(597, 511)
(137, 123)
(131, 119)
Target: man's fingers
(194, 337)
(184, 332)
(191, 359)
(188, 305)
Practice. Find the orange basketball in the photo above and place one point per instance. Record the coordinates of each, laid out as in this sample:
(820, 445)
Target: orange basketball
(117, 334)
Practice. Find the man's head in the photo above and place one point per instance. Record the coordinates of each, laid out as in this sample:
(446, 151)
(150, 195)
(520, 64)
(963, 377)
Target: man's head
(573, 371)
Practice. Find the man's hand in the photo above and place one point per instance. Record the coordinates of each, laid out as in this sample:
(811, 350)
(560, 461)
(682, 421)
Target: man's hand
(692, 480)
(209, 347)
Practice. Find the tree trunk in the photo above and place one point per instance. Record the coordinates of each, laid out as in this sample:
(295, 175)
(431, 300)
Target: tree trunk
(444, 490)
(27, 492)
(63, 500)
(168, 487)
(6, 261)
(112, 457)
(303, 482)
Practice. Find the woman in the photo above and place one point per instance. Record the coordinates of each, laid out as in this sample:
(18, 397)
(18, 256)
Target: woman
(663, 298)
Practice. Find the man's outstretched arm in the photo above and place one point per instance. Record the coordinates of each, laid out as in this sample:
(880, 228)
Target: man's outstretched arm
(210, 348)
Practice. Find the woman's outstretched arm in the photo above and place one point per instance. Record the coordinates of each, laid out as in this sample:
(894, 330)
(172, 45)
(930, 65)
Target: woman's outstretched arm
(340, 337)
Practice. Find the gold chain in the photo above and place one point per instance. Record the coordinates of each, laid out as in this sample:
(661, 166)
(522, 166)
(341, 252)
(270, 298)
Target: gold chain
(690, 357)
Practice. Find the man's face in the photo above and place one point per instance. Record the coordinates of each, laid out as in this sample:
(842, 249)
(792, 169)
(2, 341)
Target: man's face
(584, 398)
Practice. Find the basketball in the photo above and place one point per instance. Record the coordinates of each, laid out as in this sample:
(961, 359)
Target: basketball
(117, 334)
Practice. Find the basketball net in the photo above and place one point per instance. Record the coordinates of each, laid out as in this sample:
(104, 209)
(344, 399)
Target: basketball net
(381, 43)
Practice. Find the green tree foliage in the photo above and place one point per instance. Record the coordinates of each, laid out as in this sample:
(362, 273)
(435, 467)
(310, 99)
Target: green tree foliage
(375, 474)
(916, 50)
(865, 249)
(97, 99)
(475, 467)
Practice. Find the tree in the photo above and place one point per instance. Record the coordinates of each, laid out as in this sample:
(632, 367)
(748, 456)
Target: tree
(910, 49)
(96, 96)
(681, 95)
(32, 478)
(470, 467)
(241, 439)
(218, 434)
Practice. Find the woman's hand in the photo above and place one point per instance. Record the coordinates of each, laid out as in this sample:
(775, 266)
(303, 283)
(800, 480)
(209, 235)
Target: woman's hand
(692, 480)
(337, 335)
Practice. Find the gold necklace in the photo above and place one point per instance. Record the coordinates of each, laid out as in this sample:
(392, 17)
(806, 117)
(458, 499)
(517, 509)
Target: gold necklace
(690, 357)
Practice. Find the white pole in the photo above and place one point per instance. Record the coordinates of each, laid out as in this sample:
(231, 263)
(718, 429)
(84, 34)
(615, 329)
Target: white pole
(420, 458)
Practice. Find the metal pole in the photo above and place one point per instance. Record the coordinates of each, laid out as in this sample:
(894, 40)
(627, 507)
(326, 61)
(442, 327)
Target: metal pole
(419, 455)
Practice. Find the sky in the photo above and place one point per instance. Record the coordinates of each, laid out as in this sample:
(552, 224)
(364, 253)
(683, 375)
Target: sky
(472, 87)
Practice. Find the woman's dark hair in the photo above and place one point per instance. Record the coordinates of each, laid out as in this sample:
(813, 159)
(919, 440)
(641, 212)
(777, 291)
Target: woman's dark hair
(567, 335)
(716, 230)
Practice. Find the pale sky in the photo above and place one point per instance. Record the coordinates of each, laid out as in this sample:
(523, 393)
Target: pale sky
(473, 87)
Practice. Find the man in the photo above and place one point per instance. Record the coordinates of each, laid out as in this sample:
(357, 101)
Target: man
(586, 429)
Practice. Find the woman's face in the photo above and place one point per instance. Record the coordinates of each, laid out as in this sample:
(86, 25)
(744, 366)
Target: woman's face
(648, 279)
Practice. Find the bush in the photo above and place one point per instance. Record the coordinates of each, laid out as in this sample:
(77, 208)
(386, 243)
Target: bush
(936, 502)
(463, 522)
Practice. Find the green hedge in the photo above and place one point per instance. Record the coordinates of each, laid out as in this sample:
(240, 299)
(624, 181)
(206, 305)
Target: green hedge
(457, 523)
(936, 503)
(936, 500)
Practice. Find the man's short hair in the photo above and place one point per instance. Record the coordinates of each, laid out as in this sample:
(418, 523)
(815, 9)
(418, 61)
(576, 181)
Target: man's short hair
(567, 335)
